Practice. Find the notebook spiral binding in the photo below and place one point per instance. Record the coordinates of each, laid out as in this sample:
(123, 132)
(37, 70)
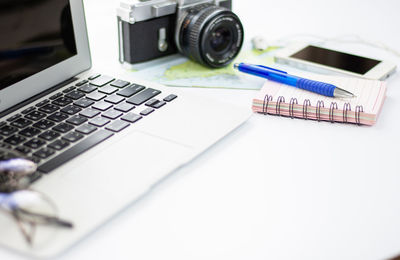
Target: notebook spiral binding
(278, 105)
(267, 98)
(346, 108)
(332, 110)
(307, 103)
(320, 104)
(292, 102)
(359, 109)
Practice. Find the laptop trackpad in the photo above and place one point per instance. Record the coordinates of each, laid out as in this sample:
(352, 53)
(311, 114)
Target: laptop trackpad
(120, 167)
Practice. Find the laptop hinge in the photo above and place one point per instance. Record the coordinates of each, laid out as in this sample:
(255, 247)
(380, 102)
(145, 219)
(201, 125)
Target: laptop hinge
(36, 97)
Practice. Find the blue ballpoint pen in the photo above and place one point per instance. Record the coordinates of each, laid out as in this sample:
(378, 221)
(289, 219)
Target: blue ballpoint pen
(322, 88)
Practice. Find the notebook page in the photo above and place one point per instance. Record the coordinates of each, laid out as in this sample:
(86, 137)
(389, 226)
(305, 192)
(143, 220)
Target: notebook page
(369, 93)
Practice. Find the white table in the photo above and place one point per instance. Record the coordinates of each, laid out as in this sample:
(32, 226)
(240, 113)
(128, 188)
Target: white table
(275, 188)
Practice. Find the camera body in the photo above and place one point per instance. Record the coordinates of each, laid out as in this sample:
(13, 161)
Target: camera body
(204, 30)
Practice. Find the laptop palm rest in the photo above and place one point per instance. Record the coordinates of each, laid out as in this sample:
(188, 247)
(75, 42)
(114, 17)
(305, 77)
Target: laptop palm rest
(103, 180)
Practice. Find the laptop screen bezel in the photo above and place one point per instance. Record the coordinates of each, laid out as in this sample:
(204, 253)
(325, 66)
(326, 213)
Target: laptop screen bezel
(43, 80)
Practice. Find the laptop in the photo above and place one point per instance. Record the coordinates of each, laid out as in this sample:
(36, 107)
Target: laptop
(101, 140)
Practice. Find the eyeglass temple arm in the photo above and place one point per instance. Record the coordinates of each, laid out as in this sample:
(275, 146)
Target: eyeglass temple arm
(28, 237)
(49, 219)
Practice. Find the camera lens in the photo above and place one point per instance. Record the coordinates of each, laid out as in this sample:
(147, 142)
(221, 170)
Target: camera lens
(221, 39)
(210, 35)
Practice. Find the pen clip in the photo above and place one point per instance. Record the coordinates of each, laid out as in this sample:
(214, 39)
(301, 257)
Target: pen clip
(265, 67)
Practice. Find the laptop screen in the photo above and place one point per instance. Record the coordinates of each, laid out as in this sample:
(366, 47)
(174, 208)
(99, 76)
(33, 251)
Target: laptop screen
(35, 35)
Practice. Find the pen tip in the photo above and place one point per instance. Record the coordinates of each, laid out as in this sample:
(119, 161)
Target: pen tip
(236, 65)
(341, 93)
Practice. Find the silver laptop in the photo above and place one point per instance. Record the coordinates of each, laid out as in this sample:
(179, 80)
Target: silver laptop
(101, 140)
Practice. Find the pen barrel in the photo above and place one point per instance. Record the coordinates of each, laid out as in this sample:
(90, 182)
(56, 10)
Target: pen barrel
(322, 88)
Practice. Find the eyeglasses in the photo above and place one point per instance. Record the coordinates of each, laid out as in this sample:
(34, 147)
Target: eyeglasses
(35, 214)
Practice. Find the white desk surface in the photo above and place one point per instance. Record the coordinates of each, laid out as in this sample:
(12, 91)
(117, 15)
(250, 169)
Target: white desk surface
(275, 188)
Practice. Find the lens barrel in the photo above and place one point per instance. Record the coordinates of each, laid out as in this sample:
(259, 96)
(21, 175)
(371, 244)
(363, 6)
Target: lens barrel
(210, 35)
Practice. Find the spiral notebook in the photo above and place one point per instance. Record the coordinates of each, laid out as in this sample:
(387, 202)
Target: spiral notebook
(280, 99)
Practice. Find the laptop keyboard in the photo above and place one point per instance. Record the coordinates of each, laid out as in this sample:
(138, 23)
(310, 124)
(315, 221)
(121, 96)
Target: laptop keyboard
(76, 118)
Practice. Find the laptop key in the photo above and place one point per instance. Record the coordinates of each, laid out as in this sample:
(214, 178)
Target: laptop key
(62, 101)
(77, 120)
(90, 112)
(169, 98)
(96, 96)
(87, 88)
(42, 103)
(21, 123)
(58, 144)
(15, 139)
(119, 83)
(108, 90)
(29, 132)
(143, 96)
(124, 107)
(102, 106)
(130, 90)
(71, 109)
(86, 129)
(147, 111)
(151, 102)
(35, 143)
(23, 149)
(55, 96)
(34, 177)
(99, 121)
(114, 99)
(58, 117)
(155, 103)
(101, 81)
(35, 115)
(14, 117)
(49, 108)
(72, 137)
(68, 89)
(131, 117)
(8, 130)
(117, 126)
(49, 135)
(75, 95)
(84, 103)
(79, 148)
(63, 128)
(94, 76)
(34, 159)
(159, 104)
(44, 153)
(112, 114)
(4, 145)
(82, 82)
(28, 110)
(43, 124)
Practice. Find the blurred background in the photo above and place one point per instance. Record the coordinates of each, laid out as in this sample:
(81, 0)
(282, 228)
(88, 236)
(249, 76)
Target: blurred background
(284, 21)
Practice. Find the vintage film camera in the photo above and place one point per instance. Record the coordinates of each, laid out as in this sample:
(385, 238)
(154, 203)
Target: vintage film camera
(206, 31)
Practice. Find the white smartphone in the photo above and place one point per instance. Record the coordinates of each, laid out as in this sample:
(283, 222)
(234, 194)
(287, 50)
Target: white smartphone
(314, 58)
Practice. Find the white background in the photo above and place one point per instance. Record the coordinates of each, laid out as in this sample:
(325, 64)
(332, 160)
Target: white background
(275, 188)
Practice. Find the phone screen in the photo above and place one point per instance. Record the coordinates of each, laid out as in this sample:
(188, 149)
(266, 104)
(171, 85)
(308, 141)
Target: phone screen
(335, 59)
